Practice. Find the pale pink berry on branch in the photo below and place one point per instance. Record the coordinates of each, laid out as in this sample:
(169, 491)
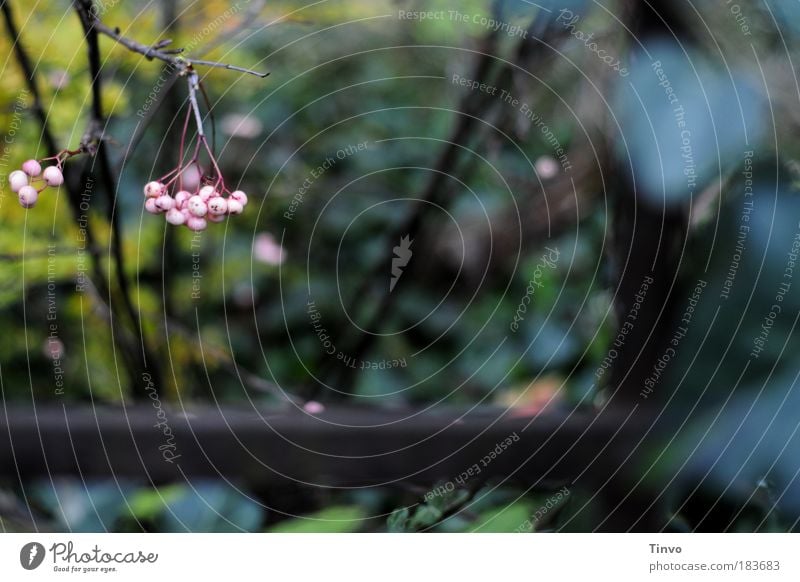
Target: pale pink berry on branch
(28, 195)
(240, 197)
(197, 206)
(207, 192)
(165, 203)
(196, 223)
(53, 176)
(154, 189)
(32, 168)
(215, 217)
(234, 207)
(217, 206)
(191, 177)
(176, 217)
(181, 198)
(150, 206)
(17, 179)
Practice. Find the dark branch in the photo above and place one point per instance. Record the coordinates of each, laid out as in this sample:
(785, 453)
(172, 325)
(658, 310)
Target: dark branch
(30, 77)
(92, 142)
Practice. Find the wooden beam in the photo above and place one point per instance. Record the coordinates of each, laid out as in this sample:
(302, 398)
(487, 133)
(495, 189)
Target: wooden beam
(342, 447)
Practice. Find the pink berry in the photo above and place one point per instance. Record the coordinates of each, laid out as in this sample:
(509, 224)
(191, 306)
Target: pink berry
(197, 206)
(196, 223)
(234, 207)
(240, 197)
(181, 198)
(28, 195)
(191, 177)
(53, 176)
(32, 168)
(165, 202)
(215, 217)
(154, 189)
(150, 206)
(176, 217)
(17, 179)
(217, 206)
(207, 192)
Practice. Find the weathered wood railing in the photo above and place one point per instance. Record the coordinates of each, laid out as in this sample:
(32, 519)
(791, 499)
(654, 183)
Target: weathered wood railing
(339, 447)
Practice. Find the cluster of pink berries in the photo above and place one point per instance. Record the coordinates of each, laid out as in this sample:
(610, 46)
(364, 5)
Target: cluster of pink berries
(24, 182)
(193, 209)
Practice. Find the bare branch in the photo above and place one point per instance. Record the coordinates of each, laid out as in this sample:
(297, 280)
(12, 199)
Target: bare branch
(182, 64)
(92, 142)
(227, 66)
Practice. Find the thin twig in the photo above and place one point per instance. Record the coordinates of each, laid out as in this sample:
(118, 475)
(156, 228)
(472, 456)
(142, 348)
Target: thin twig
(182, 64)
(170, 25)
(205, 63)
(193, 87)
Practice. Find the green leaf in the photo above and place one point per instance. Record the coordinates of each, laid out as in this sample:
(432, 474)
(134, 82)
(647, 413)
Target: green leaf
(504, 519)
(150, 503)
(338, 519)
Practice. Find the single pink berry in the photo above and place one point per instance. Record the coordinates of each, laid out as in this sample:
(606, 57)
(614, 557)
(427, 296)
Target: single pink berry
(150, 206)
(197, 206)
(53, 176)
(176, 217)
(32, 168)
(28, 195)
(154, 189)
(234, 207)
(165, 202)
(215, 217)
(17, 179)
(217, 206)
(181, 198)
(191, 177)
(196, 223)
(240, 197)
(207, 192)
